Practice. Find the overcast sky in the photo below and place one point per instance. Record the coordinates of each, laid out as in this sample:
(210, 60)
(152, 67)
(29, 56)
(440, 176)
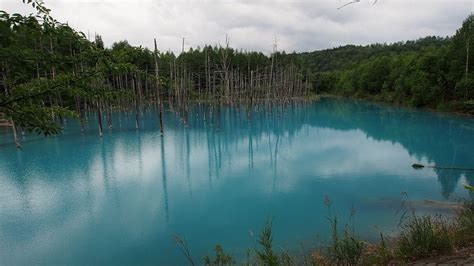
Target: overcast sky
(299, 25)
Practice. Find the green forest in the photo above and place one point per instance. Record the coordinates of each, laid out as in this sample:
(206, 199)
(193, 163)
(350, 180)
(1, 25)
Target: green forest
(432, 72)
(50, 71)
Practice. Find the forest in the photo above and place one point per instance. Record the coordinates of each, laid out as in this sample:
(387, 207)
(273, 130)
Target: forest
(432, 72)
(50, 71)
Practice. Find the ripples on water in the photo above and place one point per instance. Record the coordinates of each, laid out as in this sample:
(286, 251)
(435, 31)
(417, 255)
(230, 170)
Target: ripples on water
(81, 199)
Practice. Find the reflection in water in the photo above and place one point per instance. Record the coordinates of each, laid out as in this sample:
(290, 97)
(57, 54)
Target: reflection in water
(86, 200)
(163, 178)
(188, 164)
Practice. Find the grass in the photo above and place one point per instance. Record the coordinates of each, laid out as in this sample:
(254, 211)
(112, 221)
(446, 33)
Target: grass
(424, 237)
(183, 247)
(266, 255)
(345, 248)
(420, 237)
(379, 254)
(221, 258)
(464, 229)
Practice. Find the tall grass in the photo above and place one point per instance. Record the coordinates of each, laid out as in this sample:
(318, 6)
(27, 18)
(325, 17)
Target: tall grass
(423, 237)
(344, 247)
(220, 259)
(420, 237)
(266, 255)
(183, 247)
(464, 233)
(379, 254)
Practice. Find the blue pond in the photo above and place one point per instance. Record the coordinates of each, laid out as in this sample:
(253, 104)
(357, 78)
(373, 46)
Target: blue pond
(80, 199)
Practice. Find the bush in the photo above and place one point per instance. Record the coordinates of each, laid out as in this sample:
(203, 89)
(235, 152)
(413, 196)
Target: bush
(464, 233)
(423, 237)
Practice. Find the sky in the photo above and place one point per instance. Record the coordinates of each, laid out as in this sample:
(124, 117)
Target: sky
(296, 25)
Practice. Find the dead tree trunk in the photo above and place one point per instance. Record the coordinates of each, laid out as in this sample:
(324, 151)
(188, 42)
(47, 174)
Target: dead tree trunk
(99, 119)
(158, 93)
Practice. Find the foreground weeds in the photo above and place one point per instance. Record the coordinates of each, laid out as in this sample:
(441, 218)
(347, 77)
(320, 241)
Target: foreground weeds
(420, 237)
(344, 248)
(424, 237)
(464, 229)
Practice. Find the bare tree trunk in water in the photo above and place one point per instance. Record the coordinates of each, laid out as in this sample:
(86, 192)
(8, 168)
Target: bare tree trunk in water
(15, 136)
(81, 115)
(137, 110)
(218, 115)
(160, 101)
(211, 118)
(99, 119)
(109, 117)
(467, 64)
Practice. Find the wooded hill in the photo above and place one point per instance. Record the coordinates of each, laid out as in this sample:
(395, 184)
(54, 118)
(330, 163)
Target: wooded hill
(430, 72)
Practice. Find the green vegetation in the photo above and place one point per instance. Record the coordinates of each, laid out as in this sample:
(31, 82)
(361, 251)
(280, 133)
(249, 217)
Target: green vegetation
(424, 237)
(430, 236)
(432, 72)
(183, 247)
(49, 71)
(420, 237)
(345, 248)
(465, 225)
(379, 254)
(220, 259)
(266, 255)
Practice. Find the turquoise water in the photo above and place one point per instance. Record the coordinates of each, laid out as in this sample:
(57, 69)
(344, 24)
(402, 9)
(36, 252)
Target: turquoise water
(80, 199)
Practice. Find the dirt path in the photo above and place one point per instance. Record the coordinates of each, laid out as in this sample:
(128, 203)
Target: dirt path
(461, 257)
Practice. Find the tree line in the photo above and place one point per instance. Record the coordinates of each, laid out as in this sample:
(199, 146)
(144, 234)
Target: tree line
(431, 72)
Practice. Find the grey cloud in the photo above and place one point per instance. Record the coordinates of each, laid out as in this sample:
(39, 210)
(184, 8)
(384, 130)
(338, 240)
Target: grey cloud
(300, 25)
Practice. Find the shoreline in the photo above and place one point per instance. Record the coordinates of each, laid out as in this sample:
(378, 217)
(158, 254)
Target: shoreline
(402, 106)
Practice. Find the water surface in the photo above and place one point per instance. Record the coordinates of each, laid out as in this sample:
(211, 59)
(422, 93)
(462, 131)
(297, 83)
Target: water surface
(81, 199)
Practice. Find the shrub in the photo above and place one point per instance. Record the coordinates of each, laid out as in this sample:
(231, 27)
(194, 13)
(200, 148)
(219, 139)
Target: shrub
(423, 237)
(464, 222)
(266, 256)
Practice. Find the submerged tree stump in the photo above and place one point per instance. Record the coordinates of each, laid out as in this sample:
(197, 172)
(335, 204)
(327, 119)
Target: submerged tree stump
(420, 166)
